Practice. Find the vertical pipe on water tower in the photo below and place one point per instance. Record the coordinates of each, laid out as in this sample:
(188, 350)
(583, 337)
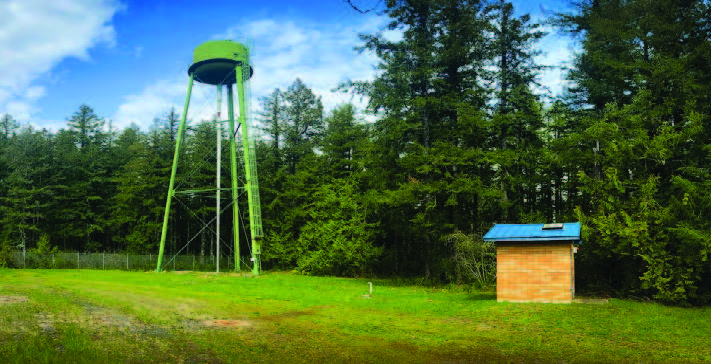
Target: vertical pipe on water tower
(218, 132)
(171, 191)
(233, 167)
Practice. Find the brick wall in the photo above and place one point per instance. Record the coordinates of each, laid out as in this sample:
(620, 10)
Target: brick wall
(541, 272)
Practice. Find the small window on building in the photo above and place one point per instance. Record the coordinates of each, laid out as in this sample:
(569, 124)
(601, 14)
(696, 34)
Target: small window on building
(558, 226)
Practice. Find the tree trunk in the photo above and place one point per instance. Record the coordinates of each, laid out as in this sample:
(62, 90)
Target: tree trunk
(428, 257)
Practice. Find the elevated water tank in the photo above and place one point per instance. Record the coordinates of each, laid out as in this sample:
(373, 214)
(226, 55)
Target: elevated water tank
(214, 62)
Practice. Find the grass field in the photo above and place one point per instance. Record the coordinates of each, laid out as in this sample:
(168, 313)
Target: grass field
(62, 316)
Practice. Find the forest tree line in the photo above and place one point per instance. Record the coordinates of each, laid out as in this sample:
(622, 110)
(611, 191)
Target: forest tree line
(461, 140)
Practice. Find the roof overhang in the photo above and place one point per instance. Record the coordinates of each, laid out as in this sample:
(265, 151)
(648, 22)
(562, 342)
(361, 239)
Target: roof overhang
(534, 240)
(534, 233)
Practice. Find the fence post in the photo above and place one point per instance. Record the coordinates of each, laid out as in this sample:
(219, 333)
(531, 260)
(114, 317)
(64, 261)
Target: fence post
(103, 260)
(53, 263)
(193, 262)
(126, 261)
(77, 260)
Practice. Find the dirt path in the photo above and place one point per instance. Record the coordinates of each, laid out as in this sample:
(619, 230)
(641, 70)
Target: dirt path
(13, 299)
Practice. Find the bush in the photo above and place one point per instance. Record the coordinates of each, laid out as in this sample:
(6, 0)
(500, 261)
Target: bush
(474, 259)
(338, 240)
(6, 260)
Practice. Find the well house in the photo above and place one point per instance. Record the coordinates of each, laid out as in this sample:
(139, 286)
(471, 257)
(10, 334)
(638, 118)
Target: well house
(535, 262)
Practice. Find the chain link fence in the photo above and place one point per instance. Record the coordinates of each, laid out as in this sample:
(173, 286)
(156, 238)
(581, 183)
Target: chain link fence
(119, 262)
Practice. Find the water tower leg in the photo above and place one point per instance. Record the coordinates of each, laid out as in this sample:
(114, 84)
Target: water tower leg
(218, 133)
(256, 249)
(173, 172)
(233, 167)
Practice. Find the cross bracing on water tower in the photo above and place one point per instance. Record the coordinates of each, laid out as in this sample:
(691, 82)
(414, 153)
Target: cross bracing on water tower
(224, 64)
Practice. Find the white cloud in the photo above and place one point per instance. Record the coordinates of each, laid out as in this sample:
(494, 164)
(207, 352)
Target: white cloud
(154, 100)
(35, 35)
(158, 98)
(557, 52)
(21, 106)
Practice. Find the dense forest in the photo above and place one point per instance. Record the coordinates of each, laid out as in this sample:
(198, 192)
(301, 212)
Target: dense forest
(461, 139)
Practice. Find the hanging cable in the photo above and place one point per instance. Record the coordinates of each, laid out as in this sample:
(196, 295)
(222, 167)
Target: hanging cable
(205, 226)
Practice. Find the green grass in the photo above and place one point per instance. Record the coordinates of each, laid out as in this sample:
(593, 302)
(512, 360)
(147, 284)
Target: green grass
(127, 317)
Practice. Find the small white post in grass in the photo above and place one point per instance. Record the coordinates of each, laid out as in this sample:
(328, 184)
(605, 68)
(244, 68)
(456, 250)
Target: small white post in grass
(371, 291)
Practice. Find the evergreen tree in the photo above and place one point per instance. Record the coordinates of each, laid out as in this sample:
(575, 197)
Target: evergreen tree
(8, 129)
(87, 126)
(304, 123)
(139, 202)
(8, 126)
(338, 239)
(278, 250)
(517, 117)
(344, 143)
(428, 162)
(514, 40)
(646, 134)
(271, 116)
(83, 181)
(27, 193)
(172, 120)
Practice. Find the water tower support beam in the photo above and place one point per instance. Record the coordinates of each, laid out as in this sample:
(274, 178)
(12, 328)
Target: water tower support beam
(173, 172)
(233, 167)
(218, 133)
(256, 249)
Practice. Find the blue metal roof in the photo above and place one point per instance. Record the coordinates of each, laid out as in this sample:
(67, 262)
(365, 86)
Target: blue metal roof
(533, 233)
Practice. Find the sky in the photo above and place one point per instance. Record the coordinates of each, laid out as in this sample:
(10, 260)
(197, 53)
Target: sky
(128, 59)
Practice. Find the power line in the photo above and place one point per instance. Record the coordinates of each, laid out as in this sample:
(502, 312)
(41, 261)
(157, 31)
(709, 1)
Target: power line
(362, 11)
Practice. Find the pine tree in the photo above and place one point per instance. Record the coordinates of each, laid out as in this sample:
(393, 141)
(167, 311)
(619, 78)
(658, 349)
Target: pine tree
(428, 165)
(83, 180)
(8, 126)
(304, 123)
(172, 120)
(139, 202)
(24, 206)
(271, 116)
(647, 135)
(8, 129)
(517, 115)
(338, 239)
(344, 143)
(86, 124)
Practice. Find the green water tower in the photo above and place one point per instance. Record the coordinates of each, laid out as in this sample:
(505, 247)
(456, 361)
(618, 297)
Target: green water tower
(214, 62)
(223, 63)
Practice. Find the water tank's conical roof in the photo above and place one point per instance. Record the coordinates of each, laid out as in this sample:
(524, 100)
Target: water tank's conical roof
(214, 62)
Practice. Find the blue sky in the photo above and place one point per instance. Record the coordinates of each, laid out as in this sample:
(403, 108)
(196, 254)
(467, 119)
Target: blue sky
(128, 59)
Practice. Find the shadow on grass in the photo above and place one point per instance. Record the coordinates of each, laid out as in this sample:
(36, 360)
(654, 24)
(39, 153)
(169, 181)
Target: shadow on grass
(474, 293)
(481, 296)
